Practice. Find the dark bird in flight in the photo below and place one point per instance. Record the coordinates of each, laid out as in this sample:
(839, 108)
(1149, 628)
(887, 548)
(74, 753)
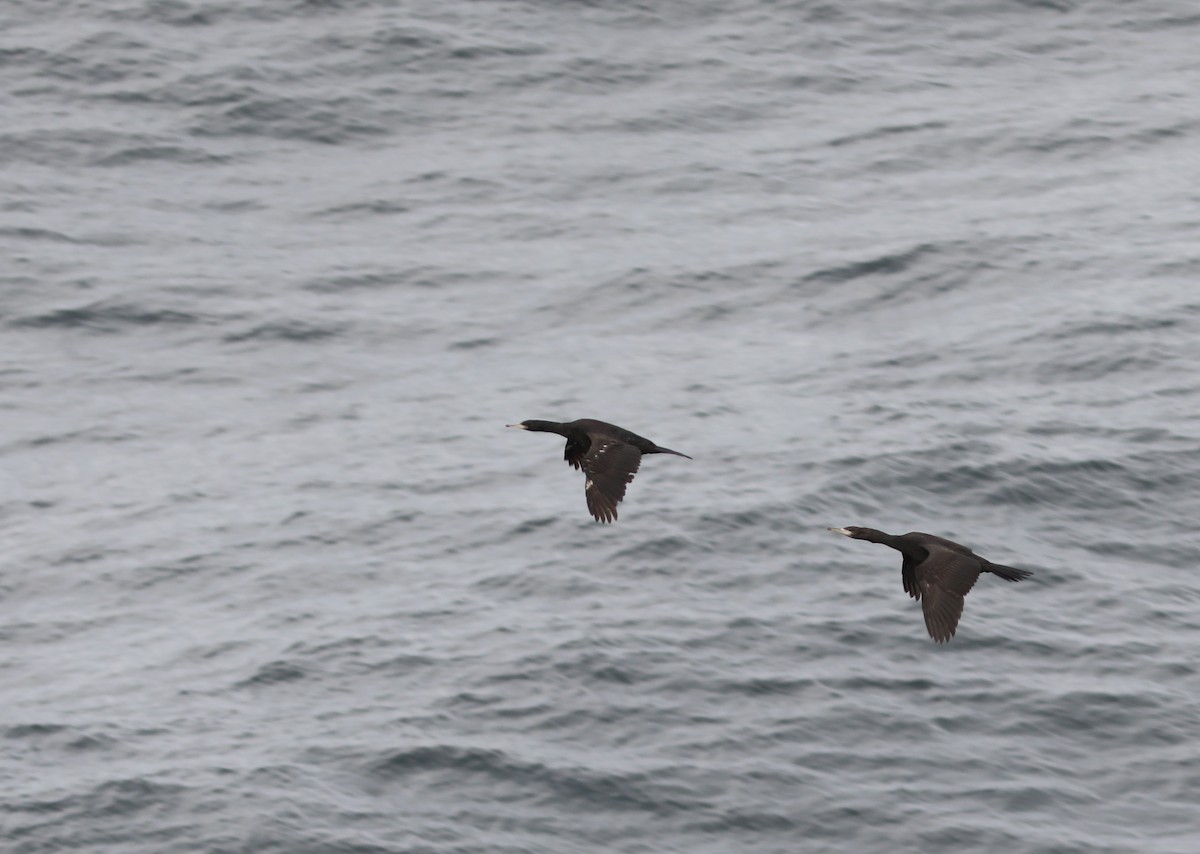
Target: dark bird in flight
(608, 455)
(937, 572)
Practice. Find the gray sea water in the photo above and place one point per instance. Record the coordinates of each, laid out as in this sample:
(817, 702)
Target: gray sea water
(275, 275)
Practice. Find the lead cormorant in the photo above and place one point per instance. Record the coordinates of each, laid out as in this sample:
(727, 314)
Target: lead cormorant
(608, 455)
(938, 572)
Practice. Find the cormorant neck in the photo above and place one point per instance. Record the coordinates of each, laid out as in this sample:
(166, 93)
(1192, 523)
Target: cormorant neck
(873, 536)
(545, 427)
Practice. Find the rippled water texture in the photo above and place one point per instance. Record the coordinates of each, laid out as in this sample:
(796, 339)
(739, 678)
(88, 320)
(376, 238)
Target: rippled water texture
(274, 277)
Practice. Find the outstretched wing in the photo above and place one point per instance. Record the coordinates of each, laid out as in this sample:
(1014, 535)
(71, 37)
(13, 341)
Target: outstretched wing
(609, 466)
(943, 579)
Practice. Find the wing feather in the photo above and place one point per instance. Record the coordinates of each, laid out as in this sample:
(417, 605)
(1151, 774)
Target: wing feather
(908, 574)
(609, 466)
(574, 454)
(943, 579)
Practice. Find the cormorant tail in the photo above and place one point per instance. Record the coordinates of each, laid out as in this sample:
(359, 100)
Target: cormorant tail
(661, 450)
(1008, 573)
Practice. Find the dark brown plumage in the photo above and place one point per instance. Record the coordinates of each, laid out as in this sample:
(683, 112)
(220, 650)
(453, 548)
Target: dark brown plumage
(607, 455)
(938, 572)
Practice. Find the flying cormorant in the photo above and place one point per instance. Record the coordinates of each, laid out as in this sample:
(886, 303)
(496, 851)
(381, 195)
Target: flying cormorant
(938, 572)
(608, 455)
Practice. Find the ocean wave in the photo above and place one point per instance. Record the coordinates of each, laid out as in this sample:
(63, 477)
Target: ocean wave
(519, 779)
(108, 316)
(99, 146)
(294, 331)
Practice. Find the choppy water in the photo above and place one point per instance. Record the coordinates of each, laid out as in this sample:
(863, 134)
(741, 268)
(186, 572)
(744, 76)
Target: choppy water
(274, 276)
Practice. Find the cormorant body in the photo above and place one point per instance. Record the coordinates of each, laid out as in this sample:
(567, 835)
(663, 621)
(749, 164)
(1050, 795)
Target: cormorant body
(938, 572)
(607, 455)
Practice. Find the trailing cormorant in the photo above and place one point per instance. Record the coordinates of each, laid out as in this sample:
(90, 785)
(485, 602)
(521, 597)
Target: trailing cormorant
(938, 572)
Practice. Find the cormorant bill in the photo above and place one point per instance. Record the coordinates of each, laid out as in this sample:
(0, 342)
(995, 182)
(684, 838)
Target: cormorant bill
(938, 572)
(608, 455)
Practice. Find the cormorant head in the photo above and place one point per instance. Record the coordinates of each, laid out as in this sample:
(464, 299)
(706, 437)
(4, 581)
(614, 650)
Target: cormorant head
(868, 534)
(537, 426)
(851, 531)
